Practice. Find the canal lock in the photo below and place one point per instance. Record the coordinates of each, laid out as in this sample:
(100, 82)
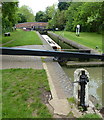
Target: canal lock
(96, 82)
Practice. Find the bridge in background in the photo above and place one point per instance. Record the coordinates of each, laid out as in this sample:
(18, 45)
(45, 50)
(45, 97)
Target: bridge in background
(33, 25)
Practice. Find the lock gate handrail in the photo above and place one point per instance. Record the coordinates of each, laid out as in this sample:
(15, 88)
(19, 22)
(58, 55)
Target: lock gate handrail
(50, 53)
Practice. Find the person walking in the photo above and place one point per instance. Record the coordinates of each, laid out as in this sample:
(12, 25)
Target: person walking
(77, 30)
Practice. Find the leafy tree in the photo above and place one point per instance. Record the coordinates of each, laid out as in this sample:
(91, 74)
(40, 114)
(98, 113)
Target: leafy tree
(50, 12)
(63, 5)
(47, 15)
(90, 19)
(25, 14)
(41, 17)
(71, 15)
(88, 15)
(52, 23)
(22, 18)
(60, 19)
(0, 18)
(9, 16)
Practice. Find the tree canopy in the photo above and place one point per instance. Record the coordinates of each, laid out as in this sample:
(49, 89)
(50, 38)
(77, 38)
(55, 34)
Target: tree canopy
(63, 5)
(9, 16)
(65, 17)
(41, 17)
(25, 14)
(88, 14)
(45, 16)
(12, 14)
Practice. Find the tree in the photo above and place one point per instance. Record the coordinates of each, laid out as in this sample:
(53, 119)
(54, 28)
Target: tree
(25, 14)
(71, 15)
(60, 20)
(22, 18)
(87, 14)
(41, 17)
(50, 12)
(9, 16)
(46, 15)
(91, 20)
(63, 5)
(0, 18)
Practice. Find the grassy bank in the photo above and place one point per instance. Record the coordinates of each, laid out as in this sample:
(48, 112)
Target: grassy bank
(22, 93)
(20, 38)
(91, 40)
(90, 117)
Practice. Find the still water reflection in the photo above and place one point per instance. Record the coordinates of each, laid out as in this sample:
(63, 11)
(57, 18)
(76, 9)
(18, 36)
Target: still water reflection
(95, 82)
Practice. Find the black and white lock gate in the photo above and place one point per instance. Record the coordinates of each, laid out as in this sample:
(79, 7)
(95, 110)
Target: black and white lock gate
(59, 54)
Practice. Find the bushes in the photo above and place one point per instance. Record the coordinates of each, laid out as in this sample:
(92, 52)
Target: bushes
(89, 15)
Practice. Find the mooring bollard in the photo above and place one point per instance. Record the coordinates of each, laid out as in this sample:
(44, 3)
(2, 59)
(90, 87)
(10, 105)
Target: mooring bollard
(81, 79)
(7, 34)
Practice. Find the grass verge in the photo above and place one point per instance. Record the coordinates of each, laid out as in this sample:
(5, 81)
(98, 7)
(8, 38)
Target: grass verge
(22, 91)
(20, 38)
(91, 40)
(90, 117)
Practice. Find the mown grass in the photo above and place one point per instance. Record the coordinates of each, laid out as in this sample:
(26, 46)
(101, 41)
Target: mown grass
(21, 38)
(91, 40)
(22, 94)
(90, 116)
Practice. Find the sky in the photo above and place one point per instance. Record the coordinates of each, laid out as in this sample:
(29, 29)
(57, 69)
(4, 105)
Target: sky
(37, 5)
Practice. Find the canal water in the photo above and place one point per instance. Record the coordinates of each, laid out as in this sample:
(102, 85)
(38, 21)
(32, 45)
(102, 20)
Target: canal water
(95, 82)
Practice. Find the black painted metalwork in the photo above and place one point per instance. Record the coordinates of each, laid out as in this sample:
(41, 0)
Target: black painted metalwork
(83, 82)
(60, 54)
(83, 79)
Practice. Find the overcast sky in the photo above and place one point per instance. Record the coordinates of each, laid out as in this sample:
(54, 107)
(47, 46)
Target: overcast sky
(37, 5)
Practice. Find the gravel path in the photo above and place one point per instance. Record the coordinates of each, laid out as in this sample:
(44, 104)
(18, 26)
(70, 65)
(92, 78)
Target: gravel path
(10, 61)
